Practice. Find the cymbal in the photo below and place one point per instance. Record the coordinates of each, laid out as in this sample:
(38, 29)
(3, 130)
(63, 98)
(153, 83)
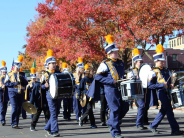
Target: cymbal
(30, 108)
(83, 101)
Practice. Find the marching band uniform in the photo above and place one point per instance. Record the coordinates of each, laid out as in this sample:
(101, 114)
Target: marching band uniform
(52, 125)
(67, 102)
(76, 105)
(157, 78)
(24, 116)
(104, 106)
(38, 98)
(108, 71)
(3, 101)
(83, 88)
(150, 98)
(12, 83)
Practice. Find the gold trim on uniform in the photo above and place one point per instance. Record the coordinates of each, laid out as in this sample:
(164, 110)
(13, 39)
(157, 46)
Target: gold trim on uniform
(113, 70)
(160, 78)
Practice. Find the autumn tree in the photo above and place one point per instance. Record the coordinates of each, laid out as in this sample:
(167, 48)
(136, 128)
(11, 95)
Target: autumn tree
(76, 28)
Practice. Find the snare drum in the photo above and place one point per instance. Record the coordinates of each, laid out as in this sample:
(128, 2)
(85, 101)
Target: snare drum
(131, 89)
(177, 97)
(61, 85)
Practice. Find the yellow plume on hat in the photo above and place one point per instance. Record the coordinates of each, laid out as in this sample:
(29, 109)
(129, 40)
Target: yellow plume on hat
(86, 66)
(80, 60)
(159, 49)
(64, 65)
(20, 58)
(50, 53)
(3, 63)
(109, 39)
(33, 70)
(136, 52)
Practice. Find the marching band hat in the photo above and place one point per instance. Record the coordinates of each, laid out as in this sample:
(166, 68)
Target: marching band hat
(80, 63)
(65, 67)
(136, 55)
(160, 55)
(18, 63)
(3, 68)
(86, 67)
(50, 57)
(109, 44)
(33, 73)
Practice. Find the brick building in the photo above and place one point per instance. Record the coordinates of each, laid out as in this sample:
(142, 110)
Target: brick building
(174, 58)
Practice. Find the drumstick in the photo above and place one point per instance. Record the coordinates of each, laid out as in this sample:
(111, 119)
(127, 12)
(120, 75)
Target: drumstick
(124, 79)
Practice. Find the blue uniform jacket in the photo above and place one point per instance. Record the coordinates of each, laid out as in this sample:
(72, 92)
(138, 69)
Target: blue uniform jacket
(104, 76)
(84, 85)
(157, 78)
(6, 98)
(11, 85)
(36, 96)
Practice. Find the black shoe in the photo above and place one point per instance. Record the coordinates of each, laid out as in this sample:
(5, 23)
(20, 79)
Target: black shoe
(15, 127)
(177, 133)
(4, 123)
(154, 131)
(141, 127)
(32, 129)
(118, 136)
(69, 118)
(103, 124)
(93, 126)
(55, 135)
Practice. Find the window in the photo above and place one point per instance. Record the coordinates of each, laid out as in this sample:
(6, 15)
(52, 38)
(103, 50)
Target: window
(169, 44)
(174, 43)
(174, 58)
(178, 42)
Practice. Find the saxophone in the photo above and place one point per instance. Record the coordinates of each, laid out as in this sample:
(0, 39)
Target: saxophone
(19, 86)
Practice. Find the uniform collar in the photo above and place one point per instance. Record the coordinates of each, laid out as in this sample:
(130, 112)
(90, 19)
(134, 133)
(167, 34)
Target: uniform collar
(114, 60)
(160, 67)
(53, 71)
(14, 71)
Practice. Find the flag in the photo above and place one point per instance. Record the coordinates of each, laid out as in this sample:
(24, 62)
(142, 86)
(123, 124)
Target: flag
(12, 66)
(34, 64)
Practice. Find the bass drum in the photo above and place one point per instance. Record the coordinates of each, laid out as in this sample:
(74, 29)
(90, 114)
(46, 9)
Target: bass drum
(61, 85)
(143, 74)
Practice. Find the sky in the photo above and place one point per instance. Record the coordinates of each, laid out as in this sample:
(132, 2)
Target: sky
(14, 18)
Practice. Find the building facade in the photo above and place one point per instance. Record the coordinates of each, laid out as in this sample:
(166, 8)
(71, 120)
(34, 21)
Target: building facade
(174, 58)
(177, 42)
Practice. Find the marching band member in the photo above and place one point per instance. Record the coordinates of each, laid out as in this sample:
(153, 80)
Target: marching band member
(3, 93)
(24, 116)
(78, 77)
(150, 98)
(108, 73)
(159, 79)
(67, 101)
(16, 81)
(52, 125)
(38, 98)
(83, 87)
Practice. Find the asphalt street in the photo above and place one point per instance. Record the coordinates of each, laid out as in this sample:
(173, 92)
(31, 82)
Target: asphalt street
(71, 129)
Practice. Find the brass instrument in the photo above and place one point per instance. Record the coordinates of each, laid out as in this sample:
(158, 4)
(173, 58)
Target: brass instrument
(19, 86)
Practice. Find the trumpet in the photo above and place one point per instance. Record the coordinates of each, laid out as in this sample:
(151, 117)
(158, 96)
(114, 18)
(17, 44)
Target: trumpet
(19, 86)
